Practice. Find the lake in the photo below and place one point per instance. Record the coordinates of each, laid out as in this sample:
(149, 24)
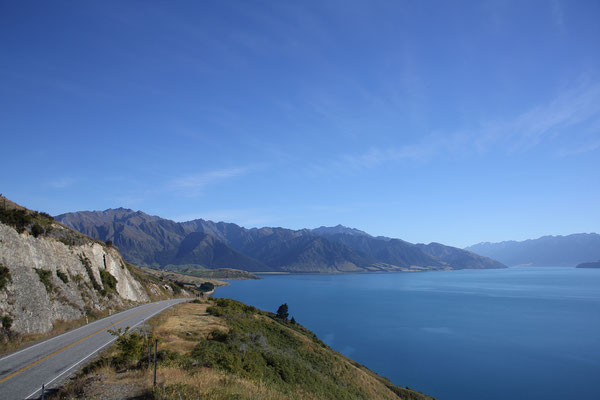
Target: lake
(488, 334)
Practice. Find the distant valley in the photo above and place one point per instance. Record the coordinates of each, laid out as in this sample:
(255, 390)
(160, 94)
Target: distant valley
(157, 242)
(547, 251)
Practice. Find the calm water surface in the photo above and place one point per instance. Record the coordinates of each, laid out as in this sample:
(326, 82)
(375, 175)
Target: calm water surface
(498, 334)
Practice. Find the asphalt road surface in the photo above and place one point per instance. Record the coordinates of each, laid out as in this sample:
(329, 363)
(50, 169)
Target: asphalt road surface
(22, 373)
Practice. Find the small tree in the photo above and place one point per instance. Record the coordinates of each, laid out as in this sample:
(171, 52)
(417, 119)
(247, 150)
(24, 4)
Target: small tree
(282, 311)
(293, 321)
(130, 346)
(37, 230)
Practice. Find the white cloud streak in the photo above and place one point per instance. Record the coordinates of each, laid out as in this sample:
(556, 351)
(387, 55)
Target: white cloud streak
(61, 183)
(572, 112)
(193, 184)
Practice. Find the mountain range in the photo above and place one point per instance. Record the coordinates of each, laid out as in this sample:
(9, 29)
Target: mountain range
(157, 242)
(546, 251)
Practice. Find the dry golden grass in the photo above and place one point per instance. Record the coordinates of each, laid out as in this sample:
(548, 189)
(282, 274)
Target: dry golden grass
(180, 327)
(172, 327)
(173, 383)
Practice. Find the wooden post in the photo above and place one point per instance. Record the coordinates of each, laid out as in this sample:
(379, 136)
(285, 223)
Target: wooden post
(149, 350)
(155, 348)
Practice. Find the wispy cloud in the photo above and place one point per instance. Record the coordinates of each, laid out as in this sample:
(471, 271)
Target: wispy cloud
(194, 184)
(61, 183)
(570, 113)
(570, 109)
(558, 15)
(581, 149)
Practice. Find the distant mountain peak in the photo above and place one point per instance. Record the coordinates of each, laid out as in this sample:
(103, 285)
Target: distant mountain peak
(154, 241)
(338, 229)
(549, 250)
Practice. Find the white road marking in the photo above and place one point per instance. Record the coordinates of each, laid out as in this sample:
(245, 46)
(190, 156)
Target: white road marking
(97, 350)
(62, 334)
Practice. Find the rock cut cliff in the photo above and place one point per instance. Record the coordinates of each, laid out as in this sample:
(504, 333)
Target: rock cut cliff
(49, 272)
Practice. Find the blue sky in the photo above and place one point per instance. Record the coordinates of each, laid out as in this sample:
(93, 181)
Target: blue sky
(455, 122)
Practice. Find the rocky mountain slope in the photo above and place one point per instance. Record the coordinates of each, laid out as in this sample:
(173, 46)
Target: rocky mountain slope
(592, 264)
(547, 251)
(459, 259)
(157, 242)
(50, 273)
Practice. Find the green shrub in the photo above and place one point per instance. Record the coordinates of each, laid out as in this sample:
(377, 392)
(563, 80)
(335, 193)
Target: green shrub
(46, 278)
(6, 321)
(67, 241)
(37, 230)
(130, 347)
(176, 286)
(46, 216)
(88, 268)
(282, 311)
(62, 276)
(5, 277)
(207, 287)
(18, 219)
(108, 281)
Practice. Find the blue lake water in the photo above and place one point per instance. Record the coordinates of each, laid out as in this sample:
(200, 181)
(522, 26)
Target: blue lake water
(494, 334)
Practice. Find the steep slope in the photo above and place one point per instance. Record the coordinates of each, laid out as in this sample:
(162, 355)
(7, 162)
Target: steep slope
(51, 273)
(153, 241)
(458, 258)
(547, 251)
(399, 253)
(309, 253)
(223, 349)
(208, 251)
(595, 264)
(393, 252)
(142, 238)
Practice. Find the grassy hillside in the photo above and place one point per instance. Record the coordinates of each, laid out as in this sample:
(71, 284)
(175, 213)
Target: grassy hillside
(224, 349)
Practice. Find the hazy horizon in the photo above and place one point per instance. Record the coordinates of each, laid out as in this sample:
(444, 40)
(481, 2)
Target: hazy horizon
(456, 123)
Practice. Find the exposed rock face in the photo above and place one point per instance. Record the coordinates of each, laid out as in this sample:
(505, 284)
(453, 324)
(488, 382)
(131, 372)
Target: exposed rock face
(76, 280)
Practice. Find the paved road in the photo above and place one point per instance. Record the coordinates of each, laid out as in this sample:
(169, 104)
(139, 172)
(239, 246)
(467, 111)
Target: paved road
(22, 373)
